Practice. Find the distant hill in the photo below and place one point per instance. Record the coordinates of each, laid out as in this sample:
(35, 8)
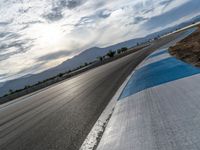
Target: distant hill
(88, 55)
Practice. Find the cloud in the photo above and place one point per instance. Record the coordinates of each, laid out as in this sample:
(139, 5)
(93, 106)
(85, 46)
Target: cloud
(1, 75)
(146, 11)
(166, 2)
(170, 17)
(58, 6)
(4, 23)
(4, 57)
(54, 55)
(3, 34)
(24, 10)
(19, 46)
(31, 69)
(34, 34)
(54, 15)
(104, 13)
(91, 21)
(71, 3)
(139, 19)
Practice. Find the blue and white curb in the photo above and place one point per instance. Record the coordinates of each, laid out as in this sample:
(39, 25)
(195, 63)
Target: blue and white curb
(159, 72)
(92, 138)
(159, 108)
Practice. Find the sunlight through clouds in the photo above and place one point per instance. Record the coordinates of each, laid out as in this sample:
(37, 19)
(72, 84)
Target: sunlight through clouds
(48, 36)
(38, 34)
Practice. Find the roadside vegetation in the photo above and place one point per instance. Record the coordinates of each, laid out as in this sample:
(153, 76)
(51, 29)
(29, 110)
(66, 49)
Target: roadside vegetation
(60, 76)
(187, 50)
(111, 53)
(109, 56)
(57, 77)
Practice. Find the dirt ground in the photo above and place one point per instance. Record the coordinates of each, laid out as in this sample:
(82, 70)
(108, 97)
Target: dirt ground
(188, 49)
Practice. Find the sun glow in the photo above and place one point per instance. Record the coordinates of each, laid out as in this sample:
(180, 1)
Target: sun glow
(48, 36)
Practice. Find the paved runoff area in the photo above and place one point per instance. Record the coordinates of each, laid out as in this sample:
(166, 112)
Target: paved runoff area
(61, 116)
(159, 108)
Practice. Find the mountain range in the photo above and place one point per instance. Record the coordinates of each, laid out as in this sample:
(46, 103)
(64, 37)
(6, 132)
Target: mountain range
(88, 55)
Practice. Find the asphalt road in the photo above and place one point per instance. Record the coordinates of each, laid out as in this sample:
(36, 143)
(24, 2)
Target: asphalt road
(61, 116)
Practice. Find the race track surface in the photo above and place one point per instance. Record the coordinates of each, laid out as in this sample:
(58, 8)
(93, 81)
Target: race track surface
(158, 108)
(60, 117)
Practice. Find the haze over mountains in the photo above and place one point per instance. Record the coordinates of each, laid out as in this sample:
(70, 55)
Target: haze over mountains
(88, 55)
(38, 35)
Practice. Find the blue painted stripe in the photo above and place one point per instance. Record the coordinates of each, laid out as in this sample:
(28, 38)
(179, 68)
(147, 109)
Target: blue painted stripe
(157, 54)
(157, 73)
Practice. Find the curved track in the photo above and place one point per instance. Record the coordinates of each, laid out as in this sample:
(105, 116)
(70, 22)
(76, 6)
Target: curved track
(60, 117)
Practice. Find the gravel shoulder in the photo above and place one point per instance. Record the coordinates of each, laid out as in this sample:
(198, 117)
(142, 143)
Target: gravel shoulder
(188, 49)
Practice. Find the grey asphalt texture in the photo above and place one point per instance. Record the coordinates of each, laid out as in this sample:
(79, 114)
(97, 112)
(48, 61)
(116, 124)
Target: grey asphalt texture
(61, 116)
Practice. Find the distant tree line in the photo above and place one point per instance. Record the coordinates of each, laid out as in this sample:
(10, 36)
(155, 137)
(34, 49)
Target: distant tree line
(109, 54)
(112, 53)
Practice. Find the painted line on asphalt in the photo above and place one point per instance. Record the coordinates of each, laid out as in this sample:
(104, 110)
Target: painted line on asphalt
(160, 72)
(157, 54)
(91, 139)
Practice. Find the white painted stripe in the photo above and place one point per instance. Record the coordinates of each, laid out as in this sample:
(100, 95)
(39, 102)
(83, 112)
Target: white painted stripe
(154, 59)
(164, 117)
(91, 139)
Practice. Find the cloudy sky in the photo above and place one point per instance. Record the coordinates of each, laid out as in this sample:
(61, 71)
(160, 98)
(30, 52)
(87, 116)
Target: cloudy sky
(38, 34)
